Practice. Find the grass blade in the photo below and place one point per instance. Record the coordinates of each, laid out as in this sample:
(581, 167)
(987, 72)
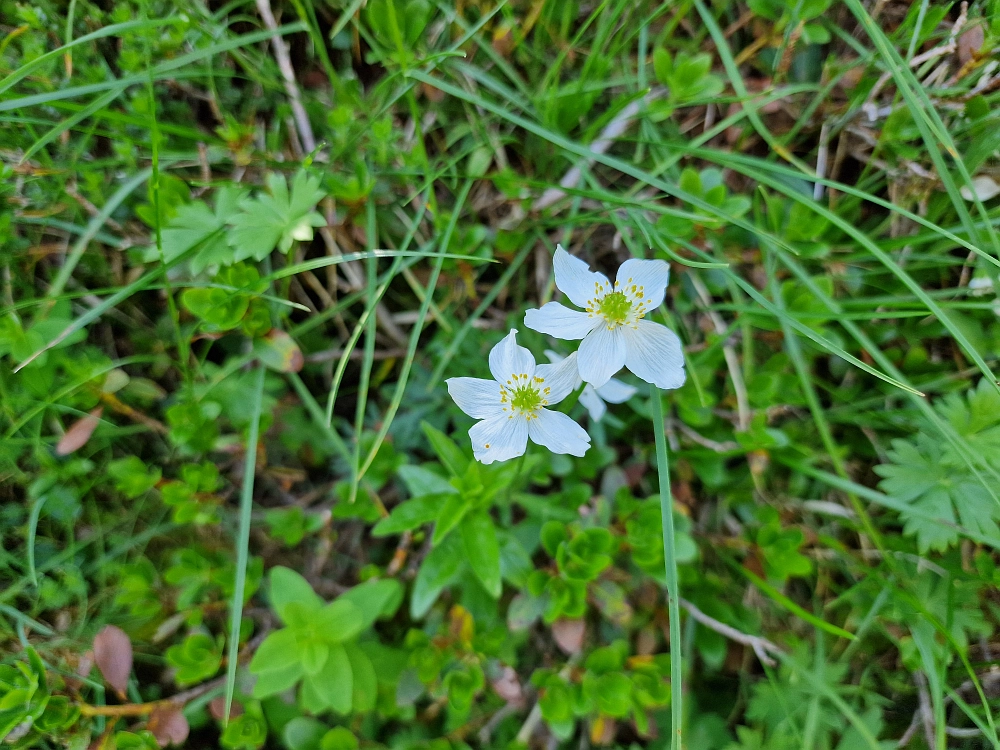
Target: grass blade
(670, 563)
(243, 539)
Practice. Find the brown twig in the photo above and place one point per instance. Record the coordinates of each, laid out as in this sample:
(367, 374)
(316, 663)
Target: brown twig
(761, 646)
(305, 133)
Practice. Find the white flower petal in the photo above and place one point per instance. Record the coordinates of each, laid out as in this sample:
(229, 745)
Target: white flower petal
(499, 439)
(476, 397)
(575, 279)
(616, 392)
(561, 322)
(593, 403)
(561, 378)
(653, 352)
(558, 433)
(555, 357)
(601, 355)
(507, 358)
(644, 281)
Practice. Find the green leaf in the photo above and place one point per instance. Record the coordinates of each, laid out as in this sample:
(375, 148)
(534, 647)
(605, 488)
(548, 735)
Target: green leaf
(287, 586)
(365, 681)
(483, 550)
(410, 515)
(339, 738)
(340, 620)
(420, 481)
(938, 483)
(334, 684)
(450, 454)
(276, 664)
(196, 659)
(553, 534)
(278, 219)
(450, 513)
(663, 65)
(612, 693)
(222, 308)
(304, 733)
(132, 477)
(374, 599)
(313, 654)
(441, 567)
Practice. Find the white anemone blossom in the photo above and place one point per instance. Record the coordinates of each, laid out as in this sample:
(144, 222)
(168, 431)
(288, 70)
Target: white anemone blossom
(614, 391)
(614, 330)
(512, 407)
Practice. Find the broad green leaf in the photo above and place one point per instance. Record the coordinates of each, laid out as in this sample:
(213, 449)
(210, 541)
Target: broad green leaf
(365, 681)
(304, 733)
(276, 664)
(220, 307)
(340, 620)
(483, 550)
(409, 515)
(449, 515)
(441, 567)
(374, 599)
(334, 684)
(313, 654)
(450, 454)
(420, 481)
(287, 586)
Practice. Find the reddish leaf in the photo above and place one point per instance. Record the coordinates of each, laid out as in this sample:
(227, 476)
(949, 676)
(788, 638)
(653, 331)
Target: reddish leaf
(970, 42)
(508, 686)
(217, 707)
(168, 725)
(569, 635)
(79, 433)
(113, 654)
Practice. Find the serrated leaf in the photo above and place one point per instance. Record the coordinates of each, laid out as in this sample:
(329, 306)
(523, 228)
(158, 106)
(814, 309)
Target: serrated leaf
(928, 474)
(278, 219)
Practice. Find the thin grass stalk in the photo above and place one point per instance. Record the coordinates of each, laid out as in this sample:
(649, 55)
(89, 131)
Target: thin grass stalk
(670, 563)
(243, 541)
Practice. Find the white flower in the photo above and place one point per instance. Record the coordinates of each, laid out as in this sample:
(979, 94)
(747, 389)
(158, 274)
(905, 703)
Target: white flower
(512, 407)
(613, 328)
(614, 391)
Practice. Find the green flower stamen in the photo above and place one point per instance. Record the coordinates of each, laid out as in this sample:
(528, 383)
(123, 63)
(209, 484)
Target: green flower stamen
(615, 307)
(526, 399)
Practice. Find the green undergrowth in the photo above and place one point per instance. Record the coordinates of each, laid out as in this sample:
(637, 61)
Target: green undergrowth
(238, 508)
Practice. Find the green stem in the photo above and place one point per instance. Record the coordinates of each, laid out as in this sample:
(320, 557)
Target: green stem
(670, 561)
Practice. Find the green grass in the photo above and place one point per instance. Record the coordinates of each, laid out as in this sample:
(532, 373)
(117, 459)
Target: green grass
(828, 343)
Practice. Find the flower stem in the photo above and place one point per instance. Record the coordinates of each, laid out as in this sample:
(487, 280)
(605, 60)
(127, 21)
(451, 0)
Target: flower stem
(670, 561)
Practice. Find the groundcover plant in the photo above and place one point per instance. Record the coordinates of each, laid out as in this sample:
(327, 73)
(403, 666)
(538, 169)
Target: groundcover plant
(526, 374)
